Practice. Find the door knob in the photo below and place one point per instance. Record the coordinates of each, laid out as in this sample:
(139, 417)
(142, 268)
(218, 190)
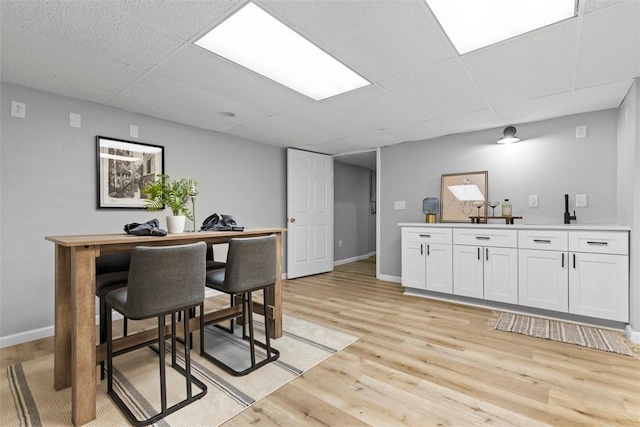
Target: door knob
(292, 220)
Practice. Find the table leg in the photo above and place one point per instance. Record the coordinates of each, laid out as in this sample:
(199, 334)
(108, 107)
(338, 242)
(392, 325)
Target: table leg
(63, 319)
(275, 297)
(83, 341)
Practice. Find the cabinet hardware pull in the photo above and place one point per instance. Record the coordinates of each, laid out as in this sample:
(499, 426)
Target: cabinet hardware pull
(478, 254)
(563, 260)
(574, 261)
(483, 238)
(486, 253)
(598, 243)
(541, 241)
(421, 250)
(428, 250)
(425, 235)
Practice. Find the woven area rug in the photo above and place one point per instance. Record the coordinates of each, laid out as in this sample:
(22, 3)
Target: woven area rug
(570, 333)
(29, 399)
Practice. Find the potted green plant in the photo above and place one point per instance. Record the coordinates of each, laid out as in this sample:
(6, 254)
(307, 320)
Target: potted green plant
(174, 194)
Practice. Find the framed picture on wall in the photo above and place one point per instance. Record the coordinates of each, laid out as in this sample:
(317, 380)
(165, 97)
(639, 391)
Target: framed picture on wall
(463, 195)
(123, 169)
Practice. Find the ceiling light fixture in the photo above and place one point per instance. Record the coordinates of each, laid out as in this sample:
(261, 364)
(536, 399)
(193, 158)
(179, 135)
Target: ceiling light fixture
(508, 136)
(258, 41)
(473, 24)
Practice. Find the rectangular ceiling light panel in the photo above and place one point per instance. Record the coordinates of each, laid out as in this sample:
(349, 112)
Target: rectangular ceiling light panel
(473, 24)
(256, 40)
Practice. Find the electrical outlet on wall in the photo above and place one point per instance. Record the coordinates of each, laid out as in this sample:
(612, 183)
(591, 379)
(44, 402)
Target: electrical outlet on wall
(533, 201)
(18, 109)
(581, 131)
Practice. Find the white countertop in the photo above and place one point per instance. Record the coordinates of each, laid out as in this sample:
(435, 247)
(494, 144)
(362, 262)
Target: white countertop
(574, 226)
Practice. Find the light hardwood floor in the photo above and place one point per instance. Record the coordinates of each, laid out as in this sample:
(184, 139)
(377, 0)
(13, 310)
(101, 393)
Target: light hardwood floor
(421, 362)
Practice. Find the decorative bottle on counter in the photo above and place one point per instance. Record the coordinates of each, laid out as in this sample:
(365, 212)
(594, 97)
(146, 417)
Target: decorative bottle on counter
(506, 208)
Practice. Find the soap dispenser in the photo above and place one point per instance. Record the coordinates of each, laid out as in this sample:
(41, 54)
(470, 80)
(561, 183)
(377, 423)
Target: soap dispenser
(506, 208)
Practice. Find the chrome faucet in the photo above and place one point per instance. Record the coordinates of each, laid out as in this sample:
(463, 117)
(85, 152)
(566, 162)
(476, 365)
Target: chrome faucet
(567, 216)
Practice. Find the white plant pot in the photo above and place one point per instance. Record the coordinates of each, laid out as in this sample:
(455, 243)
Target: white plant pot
(175, 224)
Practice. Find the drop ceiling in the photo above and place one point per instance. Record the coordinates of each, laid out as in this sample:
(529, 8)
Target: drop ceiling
(139, 56)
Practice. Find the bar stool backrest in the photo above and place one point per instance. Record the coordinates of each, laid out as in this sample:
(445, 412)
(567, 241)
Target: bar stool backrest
(165, 279)
(251, 264)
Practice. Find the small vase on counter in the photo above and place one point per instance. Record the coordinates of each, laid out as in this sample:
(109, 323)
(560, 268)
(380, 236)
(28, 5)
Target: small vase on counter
(506, 208)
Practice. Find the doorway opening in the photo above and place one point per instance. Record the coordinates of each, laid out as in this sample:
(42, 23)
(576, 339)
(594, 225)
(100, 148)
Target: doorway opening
(355, 212)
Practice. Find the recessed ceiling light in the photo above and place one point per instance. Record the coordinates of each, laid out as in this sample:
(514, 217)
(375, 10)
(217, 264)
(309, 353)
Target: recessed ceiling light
(473, 24)
(256, 40)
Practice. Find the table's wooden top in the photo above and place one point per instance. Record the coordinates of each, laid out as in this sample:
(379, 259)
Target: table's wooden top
(123, 238)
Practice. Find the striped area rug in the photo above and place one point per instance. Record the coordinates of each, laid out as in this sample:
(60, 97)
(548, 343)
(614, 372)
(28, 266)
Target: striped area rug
(570, 333)
(29, 399)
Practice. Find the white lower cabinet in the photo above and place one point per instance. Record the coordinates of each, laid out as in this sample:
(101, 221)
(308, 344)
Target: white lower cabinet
(426, 260)
(599, 286)
(543, 279)
(582, 272)
(487, 270)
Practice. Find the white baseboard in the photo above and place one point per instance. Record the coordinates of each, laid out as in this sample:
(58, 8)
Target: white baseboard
(387, 278)
(353, 259)
(48, 331)
(633, 336)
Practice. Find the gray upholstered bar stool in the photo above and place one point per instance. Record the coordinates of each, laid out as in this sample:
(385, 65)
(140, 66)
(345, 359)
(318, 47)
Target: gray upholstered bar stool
(251, 266)
(162, 280)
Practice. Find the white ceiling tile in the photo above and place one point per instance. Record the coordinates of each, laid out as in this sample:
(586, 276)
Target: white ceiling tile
(377, 138)
(94, 27)
(542, 108)
(610, 45)
(280, 132)
(42, 59)
(327, 119)
(592, 5)
(332, 147)
(195, 15)
(439, 91)
(373, 37)
(477, 120)
(415, 131)
(375, 105)
(529, 66)
(189, 103)
(214, 74)
(40, 79)
(599, 97)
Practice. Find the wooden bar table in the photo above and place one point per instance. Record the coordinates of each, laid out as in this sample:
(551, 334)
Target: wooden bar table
(75, 351)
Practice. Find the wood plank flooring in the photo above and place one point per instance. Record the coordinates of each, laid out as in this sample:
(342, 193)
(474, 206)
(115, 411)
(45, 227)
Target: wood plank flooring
(421, 362)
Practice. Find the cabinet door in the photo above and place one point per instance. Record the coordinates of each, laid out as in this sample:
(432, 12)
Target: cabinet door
(543, 279)
(599, 286)
(501, 274)
(439, 268)
(468, 271)
(413, 264)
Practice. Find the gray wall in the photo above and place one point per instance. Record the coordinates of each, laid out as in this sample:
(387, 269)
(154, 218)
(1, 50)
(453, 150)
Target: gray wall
(352, 215)
(548, 162)
(48, 187)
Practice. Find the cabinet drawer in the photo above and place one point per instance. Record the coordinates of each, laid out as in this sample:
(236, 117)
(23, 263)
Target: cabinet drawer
(543, 239)
(601, 242)
(428, 235)
(479, 237)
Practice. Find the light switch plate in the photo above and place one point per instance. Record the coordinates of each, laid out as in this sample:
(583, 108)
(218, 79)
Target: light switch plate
(581, 200)
(75, 120)
(399, 205)
(533, 201)
(133, 131)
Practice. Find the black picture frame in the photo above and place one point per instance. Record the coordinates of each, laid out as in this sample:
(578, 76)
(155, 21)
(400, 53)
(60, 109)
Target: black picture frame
(123, 168)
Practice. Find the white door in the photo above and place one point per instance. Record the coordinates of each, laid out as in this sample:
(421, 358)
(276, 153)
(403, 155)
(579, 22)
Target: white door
(309, 212)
